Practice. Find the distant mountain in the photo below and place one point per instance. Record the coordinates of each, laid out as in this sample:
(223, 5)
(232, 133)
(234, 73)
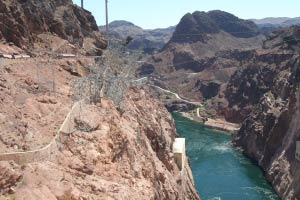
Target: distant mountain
(145, 40)
(194, 27)
(293, 21)
(271, 23)
(270, 20)
(121, 29)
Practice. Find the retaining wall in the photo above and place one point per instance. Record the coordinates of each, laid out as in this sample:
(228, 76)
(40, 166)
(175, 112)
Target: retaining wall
(50, 150)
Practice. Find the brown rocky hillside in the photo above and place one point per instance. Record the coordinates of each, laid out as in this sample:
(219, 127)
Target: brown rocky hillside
(70, 127)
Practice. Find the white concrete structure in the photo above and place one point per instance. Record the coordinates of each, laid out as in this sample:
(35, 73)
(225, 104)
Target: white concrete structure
(179, 152)
(6, 56)
(67, 55)
(297, 154)
(20, 56)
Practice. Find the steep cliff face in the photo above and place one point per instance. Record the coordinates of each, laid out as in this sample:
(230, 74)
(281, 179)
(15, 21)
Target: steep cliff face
(121, 155)
(21, 21)
(270, 132)
(249, 84)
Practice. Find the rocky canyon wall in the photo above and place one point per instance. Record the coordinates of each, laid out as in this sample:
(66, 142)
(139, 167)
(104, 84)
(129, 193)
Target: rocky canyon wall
(270, 132)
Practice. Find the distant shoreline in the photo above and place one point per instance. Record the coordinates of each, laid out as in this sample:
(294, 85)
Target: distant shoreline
(217, 124)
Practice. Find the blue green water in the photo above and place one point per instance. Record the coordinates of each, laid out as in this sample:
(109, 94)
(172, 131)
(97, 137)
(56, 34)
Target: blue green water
(220, 171)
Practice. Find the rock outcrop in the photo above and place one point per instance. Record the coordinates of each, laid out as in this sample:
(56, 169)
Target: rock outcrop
(22, 21)
(268, 96)
(10, 175)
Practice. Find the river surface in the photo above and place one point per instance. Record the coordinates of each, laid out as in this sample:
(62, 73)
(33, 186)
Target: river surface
(220, 171)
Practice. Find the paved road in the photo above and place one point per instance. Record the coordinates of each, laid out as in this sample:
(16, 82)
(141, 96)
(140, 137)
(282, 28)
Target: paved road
(137, 80)
(177, 96)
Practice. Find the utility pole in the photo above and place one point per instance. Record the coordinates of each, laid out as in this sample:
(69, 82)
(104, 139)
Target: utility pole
(81, 3)
(106, 11)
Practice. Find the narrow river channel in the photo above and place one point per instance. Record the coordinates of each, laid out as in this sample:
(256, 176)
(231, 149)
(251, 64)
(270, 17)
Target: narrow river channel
(220, 171)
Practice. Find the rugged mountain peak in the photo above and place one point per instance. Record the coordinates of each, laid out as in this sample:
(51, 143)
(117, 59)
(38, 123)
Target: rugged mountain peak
(195, 27)
(192, 27)
(121, 29)
(22, 21)
(235, 26)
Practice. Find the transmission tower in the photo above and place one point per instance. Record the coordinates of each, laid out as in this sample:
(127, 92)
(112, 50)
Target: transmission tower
(81, 3)
(106, 11)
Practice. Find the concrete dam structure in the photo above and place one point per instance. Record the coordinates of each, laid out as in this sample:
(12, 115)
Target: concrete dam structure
(179, 152)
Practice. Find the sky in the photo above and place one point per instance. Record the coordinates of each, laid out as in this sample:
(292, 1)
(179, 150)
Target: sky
(151, 14)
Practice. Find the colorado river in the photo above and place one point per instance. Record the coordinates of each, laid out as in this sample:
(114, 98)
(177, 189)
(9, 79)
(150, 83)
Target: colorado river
(220, 171)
